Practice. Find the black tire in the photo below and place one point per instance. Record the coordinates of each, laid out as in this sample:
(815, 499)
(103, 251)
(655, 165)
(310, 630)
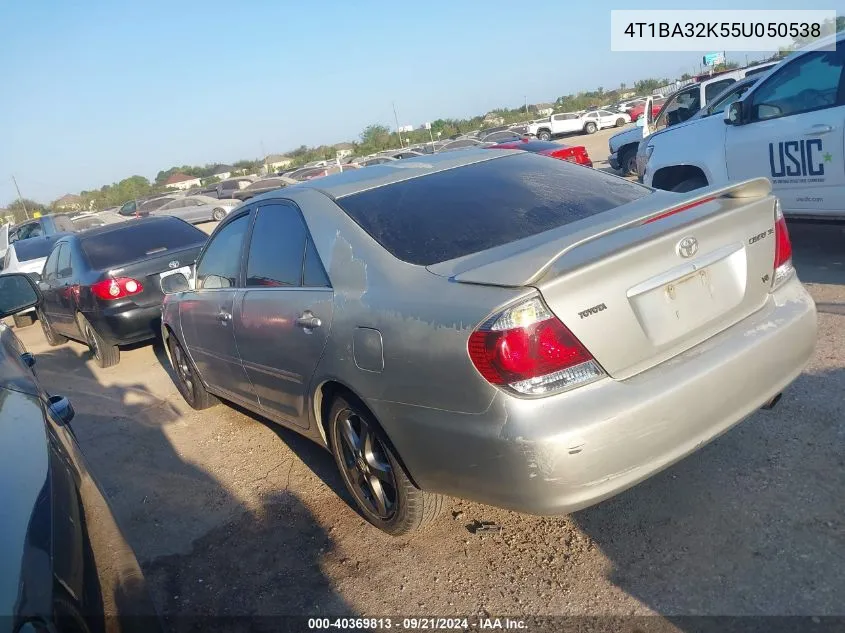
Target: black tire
(628, 162)
(187, 378)
(53, 338)
(23, 320)
(544, 135)
(372, 473)
(218, 214)
(690, 184)
(103, 354)
(591, 128)
(620, 122)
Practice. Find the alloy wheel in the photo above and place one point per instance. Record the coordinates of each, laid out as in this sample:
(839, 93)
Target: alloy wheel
(91, 339)
(183, 370)
(368, 469)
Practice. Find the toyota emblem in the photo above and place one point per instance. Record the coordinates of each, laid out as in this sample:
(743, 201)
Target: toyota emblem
(687, 247)
(174, 264)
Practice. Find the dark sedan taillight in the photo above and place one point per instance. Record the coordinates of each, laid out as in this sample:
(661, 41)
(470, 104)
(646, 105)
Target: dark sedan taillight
(577, 154)
(117, 288)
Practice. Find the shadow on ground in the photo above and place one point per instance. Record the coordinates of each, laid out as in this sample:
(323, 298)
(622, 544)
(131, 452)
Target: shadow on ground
(263, 561)
(759, 527)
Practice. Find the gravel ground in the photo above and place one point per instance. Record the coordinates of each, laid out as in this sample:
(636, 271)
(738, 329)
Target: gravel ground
(232, 515)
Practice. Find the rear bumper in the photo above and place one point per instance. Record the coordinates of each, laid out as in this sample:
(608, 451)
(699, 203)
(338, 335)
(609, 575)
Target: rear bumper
(128, 324)
(560, 454)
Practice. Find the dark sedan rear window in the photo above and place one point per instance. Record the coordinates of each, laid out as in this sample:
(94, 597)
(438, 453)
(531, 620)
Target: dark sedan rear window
(457, 212)
(136, 240)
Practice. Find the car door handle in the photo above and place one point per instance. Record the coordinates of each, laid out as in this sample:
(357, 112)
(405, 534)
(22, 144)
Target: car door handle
(224, 317)
(308, 321)
(818, 130)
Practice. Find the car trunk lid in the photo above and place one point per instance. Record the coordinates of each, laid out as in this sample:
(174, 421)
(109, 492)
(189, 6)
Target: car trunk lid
(653, 279)
(148, 272)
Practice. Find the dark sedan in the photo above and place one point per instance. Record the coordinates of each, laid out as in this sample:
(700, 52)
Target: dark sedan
(102, 286)
(66, 565)
(263, 186)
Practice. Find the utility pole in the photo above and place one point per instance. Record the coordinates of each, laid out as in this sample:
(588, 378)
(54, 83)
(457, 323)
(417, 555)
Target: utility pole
(20, 197)
(396, 118)
(526, 104)
(263, 157)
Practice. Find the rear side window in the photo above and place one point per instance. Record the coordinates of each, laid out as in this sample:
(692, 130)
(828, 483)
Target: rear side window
(457, 212)
(136, 240)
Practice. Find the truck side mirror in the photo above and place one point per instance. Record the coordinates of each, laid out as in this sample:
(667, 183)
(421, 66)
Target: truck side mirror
(733, 115)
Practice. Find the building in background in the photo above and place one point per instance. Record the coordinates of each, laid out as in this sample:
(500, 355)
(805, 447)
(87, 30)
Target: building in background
(344, 150)
(275, 162)
(182, 181)
(68, 202)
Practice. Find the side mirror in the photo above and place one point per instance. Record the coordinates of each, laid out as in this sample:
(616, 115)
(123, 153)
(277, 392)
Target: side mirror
(17, 292)
(61, 409)
(177, 282)
(733, 115)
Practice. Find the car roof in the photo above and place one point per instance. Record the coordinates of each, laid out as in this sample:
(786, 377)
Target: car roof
(108, 228)
(357, 180)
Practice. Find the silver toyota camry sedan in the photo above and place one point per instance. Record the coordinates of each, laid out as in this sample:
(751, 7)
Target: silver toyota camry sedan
(497, 326)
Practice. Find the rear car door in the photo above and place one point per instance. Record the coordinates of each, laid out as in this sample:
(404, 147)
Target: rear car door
(795, 133)
(63, 314)
(49, 284)
(206, 313)
(285, 313)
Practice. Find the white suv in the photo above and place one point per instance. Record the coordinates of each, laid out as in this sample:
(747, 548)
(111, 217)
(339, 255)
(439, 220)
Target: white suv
(789, 127)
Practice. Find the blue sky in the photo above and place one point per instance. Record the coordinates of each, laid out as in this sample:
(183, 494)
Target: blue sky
(99, 90)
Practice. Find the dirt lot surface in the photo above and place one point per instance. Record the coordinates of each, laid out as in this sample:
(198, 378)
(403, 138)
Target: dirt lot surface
(232, 515)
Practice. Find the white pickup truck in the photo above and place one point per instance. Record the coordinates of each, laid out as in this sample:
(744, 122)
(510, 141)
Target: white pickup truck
(576, 123)
(788, 127)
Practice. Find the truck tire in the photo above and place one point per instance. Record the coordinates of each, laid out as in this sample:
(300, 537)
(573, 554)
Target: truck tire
(628, 162)
(23, 320)
(544, 135)
(690, 184)
(591, 128)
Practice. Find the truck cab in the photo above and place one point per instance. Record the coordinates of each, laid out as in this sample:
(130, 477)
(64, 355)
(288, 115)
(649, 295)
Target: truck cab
(679, 107)
(789, 127)
(37, 227)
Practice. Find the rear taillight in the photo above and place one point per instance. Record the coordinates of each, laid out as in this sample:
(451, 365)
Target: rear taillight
(527, 349)
(118, 288)
(783, 249)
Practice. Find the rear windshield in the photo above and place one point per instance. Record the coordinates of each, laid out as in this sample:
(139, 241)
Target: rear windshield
(35, 248)
(132, 241)
(457, 212)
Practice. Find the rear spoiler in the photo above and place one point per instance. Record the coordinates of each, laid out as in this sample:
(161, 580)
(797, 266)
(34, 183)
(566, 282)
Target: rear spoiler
(524, 262)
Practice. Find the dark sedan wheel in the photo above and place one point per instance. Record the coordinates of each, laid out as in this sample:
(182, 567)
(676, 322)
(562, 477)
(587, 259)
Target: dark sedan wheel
(50, 334)
(218, 214)
(187, 379)
(105, 355)
(373, 474)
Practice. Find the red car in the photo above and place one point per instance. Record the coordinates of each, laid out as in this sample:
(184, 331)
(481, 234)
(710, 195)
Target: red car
(573, 154)
(637, 111)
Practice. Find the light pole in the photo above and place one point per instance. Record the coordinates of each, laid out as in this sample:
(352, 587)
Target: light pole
(396, 118)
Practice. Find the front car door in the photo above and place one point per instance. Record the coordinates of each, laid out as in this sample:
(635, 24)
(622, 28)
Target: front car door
(206, 313)
(794, 133)
(63, 317)
(285, 315)
(49, 284)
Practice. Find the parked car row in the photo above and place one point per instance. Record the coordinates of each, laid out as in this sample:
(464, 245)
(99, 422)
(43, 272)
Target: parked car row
(786, 123)
(421, 318)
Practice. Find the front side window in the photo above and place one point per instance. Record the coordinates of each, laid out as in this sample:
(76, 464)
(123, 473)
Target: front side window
(277, 249)
(679, 108)
(810, 82)
(221, 260)
(713, 90)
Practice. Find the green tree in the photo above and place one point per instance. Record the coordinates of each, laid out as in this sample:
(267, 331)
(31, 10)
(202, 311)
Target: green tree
(20, 209)
(375, 137)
